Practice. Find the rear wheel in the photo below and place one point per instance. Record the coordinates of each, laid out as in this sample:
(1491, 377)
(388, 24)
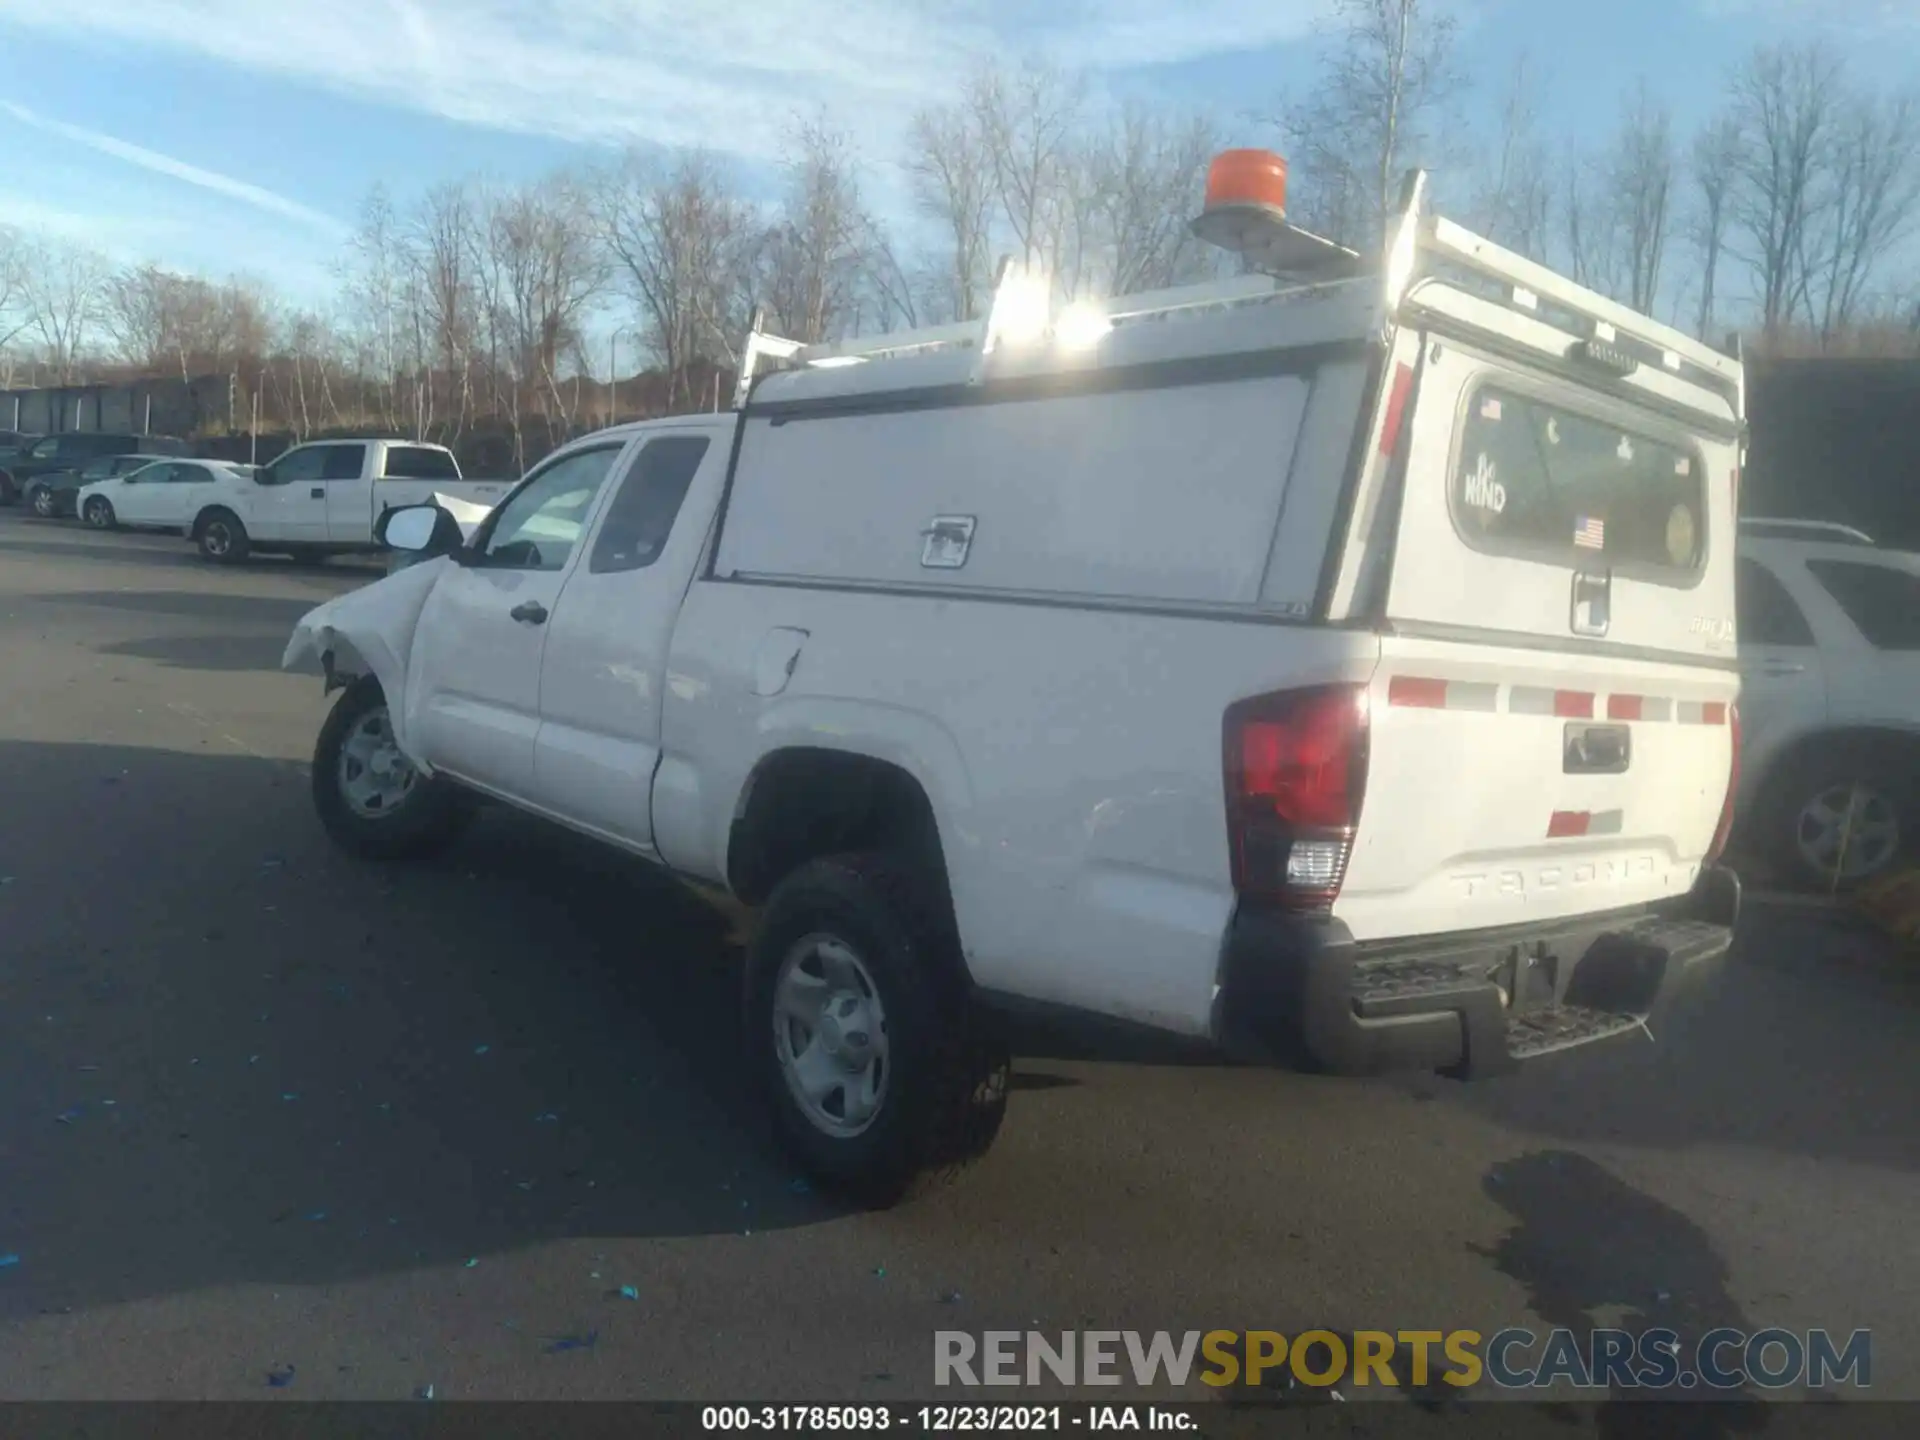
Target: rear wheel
(99, 513)
(881, 1073)
(221, 537)
(370, 798)
(1844, 817)
(43, 503)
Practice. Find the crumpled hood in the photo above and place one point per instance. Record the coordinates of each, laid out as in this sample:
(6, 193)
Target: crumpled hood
(370, 630)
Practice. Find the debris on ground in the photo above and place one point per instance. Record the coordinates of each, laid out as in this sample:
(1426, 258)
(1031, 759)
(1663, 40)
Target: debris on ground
(317, 1215)
(472, 1260)
(425, 1392)
(281, 1378)
(573, 1342)
(629, 1292)
(952, 1297)
(481, 1049)
(67, 1117)
(800, 1187)
(9, 1260)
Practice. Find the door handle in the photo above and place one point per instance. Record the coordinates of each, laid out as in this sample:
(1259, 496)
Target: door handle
(318, 492)
(529, 612)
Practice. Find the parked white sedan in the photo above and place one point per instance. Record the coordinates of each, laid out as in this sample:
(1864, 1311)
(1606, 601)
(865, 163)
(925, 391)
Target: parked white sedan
(161, 496)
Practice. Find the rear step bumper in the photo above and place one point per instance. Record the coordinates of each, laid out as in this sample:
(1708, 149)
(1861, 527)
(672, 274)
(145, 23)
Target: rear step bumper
(1474, 1004)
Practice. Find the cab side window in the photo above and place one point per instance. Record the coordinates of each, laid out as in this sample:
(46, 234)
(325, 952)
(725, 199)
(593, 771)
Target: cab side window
(538, 527)
(641, 514)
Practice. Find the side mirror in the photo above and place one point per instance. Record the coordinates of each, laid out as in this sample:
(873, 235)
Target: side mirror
(425, 530)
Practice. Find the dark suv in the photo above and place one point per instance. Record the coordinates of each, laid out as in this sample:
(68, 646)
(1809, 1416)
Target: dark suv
(71, 451)
(55, 494)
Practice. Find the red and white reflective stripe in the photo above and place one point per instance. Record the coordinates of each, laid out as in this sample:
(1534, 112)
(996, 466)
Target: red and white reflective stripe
(1419, 693)
(1422, 692)
(1639, 707)
(1570, 824)
(1567, 704)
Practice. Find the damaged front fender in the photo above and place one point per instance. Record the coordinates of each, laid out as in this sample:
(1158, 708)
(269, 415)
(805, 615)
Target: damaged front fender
(369, 632)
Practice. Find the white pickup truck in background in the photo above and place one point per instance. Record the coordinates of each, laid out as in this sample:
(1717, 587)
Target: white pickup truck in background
(1335, 662)
(324, 498)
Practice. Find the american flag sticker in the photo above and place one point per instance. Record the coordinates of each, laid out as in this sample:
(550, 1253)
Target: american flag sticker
(1490, 409)
(1590, 532)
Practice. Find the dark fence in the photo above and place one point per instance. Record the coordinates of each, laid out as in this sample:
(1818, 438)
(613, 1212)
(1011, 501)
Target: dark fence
(1834, 440)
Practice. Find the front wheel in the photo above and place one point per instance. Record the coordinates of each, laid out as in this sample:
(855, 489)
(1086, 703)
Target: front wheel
(42, 502)
(99, 513)
(881, 1073)
(371, 800)
(221, 537)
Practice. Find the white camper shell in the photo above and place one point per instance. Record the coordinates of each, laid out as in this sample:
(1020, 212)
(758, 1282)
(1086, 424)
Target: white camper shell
(1340, 656)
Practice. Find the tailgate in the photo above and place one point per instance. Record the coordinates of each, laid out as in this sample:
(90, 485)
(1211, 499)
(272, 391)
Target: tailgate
(1552, 720)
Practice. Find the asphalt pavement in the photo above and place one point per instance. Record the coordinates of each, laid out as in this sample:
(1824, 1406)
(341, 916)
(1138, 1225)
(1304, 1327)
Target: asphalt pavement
(480, 1124)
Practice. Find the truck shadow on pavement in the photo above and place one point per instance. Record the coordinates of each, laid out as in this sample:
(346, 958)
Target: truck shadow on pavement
(1796, 1049)
(229, 1054)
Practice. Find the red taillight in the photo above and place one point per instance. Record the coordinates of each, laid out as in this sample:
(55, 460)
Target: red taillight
(1296, 769)
(1724, 831)
(1397, 399)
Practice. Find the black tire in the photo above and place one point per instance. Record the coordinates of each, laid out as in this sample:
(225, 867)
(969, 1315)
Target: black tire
(945, 1092)
(222, 538)
(1883, 776)
(428, 819)
(40, 500)
(8, 492)
(99, 513)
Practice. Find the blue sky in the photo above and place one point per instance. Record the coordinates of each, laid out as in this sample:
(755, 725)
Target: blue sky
(239, 136)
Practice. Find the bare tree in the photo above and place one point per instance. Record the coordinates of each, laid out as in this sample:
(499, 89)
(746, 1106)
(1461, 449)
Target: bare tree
(443, 246)
(62, 289)
(676, 239)
(1514, 205)
(1718, 160)
(815, 256)
(549, 268)
(1868, 203)
(950, 168)
(1028, 121)
(14, 314)
(1640, 179)
(1785, 99)
(1147, 176)
(1379, 110)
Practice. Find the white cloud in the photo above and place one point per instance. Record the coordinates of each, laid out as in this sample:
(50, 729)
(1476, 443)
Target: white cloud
(665, 71)
(153, 160)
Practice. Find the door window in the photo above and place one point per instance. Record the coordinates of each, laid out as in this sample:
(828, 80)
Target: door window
(1767, 613)
(45, 449)
(344, 462)
(641, 514)
(299, 467)
(538, 527)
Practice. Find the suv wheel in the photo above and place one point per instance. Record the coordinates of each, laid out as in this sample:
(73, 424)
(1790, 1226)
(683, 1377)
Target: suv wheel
(881, 1073)
(371, 800)
(43, 505)
(1843, 820)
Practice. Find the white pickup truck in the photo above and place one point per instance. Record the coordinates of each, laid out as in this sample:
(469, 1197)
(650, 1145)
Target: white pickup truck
(1335, 664)
(325, 497)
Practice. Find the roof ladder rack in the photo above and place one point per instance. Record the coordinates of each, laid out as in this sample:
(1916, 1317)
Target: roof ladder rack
(1021, 308)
